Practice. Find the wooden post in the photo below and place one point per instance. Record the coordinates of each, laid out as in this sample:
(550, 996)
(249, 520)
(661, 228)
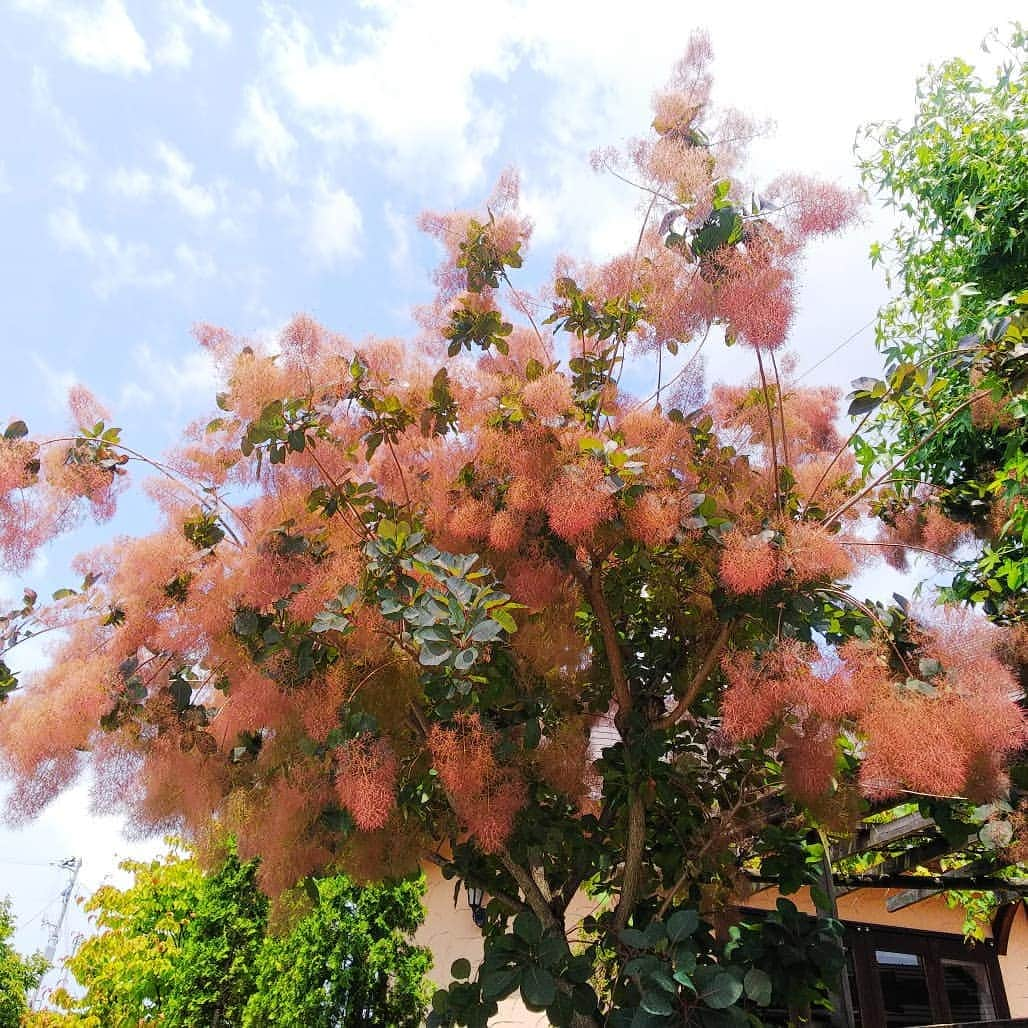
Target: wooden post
(842, 998)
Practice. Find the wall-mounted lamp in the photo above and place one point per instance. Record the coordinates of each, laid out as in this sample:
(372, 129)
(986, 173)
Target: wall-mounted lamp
(475, 896)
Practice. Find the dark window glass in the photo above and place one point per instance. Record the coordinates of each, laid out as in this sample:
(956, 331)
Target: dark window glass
(968, 992)
(904, 988)
(851, 974)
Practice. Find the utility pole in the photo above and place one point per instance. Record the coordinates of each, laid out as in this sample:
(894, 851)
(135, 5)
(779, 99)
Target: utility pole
(72, 865)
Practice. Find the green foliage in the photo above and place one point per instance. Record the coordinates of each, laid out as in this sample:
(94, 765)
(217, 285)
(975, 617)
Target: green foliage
(127, 969)
(956, 336)
(346, 964)
(18, 975)
(213, 974)
(179, 947)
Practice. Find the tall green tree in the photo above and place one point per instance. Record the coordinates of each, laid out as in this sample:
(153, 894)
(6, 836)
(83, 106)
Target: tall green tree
(955, 336)
(349, 963)
(181, 947)
(18, 975)
(213, 973)
(159, 954)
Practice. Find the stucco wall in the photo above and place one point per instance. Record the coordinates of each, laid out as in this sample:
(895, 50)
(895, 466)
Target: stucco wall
(450, 933)
(1014, 966)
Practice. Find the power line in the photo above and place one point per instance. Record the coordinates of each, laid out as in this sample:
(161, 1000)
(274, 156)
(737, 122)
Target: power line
(72, 865)
(831, 353)
(42, 910)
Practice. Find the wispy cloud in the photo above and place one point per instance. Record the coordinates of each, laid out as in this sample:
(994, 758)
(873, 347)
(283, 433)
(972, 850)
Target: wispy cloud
(173, 179)
(335, 225)
(116, 263)
(263, 131)
(195, 262)
(195, 200)
(44, 103)
(98, 35)
(72, 178)
(393, 87)
(186, 20)
(176, 380)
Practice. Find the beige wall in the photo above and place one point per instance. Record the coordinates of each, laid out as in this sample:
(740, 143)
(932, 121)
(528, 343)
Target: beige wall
(450, 933)
(1014, 966)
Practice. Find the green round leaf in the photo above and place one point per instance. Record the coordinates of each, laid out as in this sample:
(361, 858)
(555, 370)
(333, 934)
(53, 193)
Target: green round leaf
(682, 923)
(500, 983)
(461, 968)
(634, 938)
(757, 984)
(538, 988)
(527, 927)
(656, 1002)
(723, 990)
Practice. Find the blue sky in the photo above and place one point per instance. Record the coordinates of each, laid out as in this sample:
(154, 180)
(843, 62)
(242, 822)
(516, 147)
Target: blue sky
(170, 161)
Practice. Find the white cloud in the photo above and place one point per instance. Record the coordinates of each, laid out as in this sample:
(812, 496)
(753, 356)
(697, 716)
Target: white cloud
(174, 180)
(133, 183)
(44, 103)
(335, 225)
(178, 380)
(116, 264)
(195, 200)
(196, 263)
(72, 178)
(399, 225)
(263, 131)
(69, 233)
(57, 382)
(97, 35)
(397, 84)
(188, 18)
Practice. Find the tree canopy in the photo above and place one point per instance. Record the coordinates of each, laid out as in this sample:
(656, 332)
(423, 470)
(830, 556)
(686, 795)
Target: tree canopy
(956, 335)
(524, 597)
(19, 975)
(183, 947)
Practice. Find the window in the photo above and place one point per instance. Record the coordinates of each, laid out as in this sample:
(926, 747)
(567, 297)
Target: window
(906, 978)
(968, 991)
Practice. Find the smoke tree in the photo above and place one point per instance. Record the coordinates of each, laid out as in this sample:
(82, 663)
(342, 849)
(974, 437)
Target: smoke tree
(522, 597)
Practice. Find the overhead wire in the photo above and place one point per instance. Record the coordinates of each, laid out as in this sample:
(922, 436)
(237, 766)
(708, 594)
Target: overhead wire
(831, 353)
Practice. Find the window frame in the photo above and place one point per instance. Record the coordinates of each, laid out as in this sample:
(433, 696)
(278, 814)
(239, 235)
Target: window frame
(933, 947)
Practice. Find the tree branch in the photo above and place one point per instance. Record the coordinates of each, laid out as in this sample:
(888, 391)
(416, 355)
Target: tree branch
(913, 449)
(532, 893)
(593, 583)
(700, 678)
(631, 882)
(515, 904)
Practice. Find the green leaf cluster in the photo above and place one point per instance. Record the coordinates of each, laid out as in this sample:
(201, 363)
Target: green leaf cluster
(181, 947)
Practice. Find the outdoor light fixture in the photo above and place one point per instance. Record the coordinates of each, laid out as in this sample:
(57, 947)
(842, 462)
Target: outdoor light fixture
(475, 895)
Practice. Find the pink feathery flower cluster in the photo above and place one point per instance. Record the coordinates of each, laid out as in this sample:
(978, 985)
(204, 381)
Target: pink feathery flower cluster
(749, 564)
(811, 207)
(86, 410)
(757, 302)
(366, 781)
(809, 755)
(579, 501)
(486, 795)
(814, 554)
